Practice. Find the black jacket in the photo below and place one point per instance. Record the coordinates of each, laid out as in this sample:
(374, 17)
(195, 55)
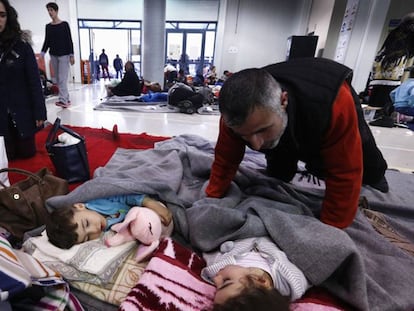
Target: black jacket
(20, 90)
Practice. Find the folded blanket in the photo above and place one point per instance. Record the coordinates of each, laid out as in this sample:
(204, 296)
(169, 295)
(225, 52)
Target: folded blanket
(116, 290)
(91, 261)
(171, 281)
(19, 271)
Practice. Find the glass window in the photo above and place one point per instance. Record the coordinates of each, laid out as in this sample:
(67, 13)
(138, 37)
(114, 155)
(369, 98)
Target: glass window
(193, 25)
(209, 46)
(174, 46)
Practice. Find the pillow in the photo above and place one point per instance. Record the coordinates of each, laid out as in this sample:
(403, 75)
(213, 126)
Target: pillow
(171, 281)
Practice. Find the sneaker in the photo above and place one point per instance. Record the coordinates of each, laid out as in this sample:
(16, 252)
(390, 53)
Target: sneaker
(63, 105)
(384, 121)
(381, 185)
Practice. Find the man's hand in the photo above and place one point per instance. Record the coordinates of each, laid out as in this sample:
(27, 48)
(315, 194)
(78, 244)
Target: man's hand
(72, 60)
(158, 207)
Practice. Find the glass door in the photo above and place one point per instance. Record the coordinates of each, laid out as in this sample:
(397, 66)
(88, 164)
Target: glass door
(190, 46)
(116, 37)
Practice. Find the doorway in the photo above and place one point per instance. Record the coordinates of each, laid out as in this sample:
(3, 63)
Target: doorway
(190, 46)
(116, 37)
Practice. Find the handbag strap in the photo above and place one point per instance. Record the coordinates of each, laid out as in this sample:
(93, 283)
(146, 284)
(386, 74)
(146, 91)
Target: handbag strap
(51, 137)
(19, 171)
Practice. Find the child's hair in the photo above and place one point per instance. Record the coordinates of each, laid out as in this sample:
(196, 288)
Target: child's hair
(255, 298)
(61, 229)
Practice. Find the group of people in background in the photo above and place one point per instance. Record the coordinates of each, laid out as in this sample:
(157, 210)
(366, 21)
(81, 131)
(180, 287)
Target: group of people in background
(100, 66)
(205, 75)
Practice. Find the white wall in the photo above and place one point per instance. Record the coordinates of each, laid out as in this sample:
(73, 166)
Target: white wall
(319, 20)
(188, 10)
(255, 33)
(192, 10)
(364, 40)
(110, 9)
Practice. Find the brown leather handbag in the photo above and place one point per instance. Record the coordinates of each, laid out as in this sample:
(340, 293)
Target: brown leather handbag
(22, 205)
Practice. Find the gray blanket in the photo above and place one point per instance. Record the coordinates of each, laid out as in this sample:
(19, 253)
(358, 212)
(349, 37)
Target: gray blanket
(357, 265)
(160, 107)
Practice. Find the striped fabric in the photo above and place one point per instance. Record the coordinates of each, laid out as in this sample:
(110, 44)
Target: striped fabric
(14, 278)
(171, 281)
(19, 270)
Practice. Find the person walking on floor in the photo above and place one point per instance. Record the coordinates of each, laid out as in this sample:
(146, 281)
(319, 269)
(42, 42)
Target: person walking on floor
(118, 66)
(22, 104)
(103, 61)
(58, 40)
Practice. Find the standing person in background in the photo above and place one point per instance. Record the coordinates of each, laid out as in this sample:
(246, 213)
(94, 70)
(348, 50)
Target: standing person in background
(118, 66)
(58, 40)
(395, 55)
(103, 61)
(22, 104)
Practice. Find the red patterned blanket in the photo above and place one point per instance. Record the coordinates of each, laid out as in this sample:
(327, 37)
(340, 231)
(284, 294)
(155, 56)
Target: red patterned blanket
(171, 281)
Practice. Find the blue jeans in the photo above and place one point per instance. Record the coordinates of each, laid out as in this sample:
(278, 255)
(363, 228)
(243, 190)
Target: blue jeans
(408, 111)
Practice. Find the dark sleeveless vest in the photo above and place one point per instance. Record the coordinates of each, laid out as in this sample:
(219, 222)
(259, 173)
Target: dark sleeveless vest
(312, 88)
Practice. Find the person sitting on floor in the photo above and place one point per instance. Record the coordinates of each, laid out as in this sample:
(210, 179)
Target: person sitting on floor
(130, 84)
(403, 99)
(81, 222)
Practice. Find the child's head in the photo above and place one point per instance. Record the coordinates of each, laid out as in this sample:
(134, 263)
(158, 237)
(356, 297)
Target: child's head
(241, 288)
(233, 279)
(74, 224)
(255, 298)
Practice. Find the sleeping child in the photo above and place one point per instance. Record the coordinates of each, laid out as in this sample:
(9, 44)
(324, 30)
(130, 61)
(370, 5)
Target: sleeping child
(255, 269)
(81, 222)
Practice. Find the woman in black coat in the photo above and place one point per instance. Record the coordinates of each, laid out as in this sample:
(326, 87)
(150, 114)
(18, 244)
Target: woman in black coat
(22, 105)
(131, 84)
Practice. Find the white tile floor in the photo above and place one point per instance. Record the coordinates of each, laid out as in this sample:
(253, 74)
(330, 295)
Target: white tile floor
(397, 144)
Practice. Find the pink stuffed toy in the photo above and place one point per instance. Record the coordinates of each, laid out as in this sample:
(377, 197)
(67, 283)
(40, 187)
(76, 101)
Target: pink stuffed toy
(141, 224)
